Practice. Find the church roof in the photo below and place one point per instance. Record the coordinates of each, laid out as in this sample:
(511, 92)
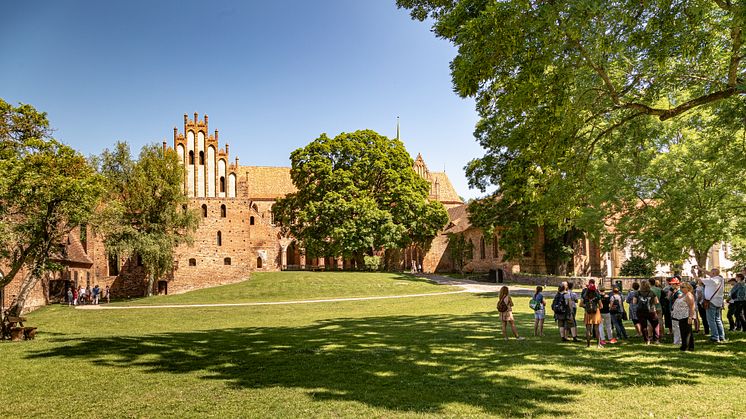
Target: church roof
(458, 219)
(265, 182)
(73, 253)
(447, 191)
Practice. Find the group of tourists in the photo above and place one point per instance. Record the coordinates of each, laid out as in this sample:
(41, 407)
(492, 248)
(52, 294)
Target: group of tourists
(87, 295)
(677, 308)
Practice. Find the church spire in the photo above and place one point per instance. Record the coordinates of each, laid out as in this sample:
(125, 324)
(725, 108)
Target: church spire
(397, 128)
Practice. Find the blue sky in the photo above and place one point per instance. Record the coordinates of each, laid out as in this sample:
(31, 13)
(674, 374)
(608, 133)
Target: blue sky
(272, 76)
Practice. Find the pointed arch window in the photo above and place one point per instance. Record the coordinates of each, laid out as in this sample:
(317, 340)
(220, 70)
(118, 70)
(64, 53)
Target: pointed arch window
(251, 220)
(481, 248)
(201, 157)
(220, 238)
(204, 210)
(191, 157)
(495, 250)
(222, 183)
(223, 211)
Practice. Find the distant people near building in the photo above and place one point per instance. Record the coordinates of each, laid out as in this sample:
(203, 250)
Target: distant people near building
(633, 307)
(666, 308)
(646, 314)
(70, 301)
(684, 312)
(590, 301)
(414, 267)
(538, 304)
(107, 294)
(505, 308)
(573, 302)
(738, 295)
(81, 295)
(96, 291)
(657, 290)
(714, 290)
(75, 296)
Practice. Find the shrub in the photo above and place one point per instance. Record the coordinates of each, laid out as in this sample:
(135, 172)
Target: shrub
(638, 266)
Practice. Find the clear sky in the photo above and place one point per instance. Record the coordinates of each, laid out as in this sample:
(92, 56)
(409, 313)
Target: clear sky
(271, 75)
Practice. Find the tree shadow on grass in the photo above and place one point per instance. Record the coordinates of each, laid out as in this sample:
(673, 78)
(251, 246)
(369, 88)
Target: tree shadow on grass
(400, 363)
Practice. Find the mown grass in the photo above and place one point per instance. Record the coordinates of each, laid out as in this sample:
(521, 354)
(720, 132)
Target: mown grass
(417, 357)
(301, 285)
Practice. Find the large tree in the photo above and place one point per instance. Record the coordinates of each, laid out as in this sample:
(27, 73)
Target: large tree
(46, 190)
(147, 214)
(561, 84)
(357, 193)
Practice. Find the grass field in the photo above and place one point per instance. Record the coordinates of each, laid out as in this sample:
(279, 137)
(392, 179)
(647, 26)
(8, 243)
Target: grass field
(416, 357)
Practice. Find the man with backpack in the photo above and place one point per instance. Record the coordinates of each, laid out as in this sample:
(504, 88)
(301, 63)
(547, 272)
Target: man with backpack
(646, 300)
(563, 313)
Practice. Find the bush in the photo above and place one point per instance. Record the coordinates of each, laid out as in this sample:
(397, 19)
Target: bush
(638, 266)
(372, 263)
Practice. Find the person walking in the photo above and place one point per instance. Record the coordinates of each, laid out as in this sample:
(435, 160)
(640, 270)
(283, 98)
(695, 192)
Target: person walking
(684, 312)
(646, 314)
(713, 303)
(505, 307)
(738, 294)
(96, 291)
(674, 292)
(70, 301)
(618, 314)
(539, 306)
(107, 293)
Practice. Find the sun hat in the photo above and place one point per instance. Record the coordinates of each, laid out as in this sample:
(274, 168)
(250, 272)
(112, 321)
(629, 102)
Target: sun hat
(674, 281)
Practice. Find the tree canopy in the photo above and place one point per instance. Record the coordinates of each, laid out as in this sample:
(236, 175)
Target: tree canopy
(566, 90)
(357, 193)
(147, 214)
(46, 190)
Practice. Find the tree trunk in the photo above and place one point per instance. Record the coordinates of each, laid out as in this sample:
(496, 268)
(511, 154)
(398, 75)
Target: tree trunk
(149, 290)
(701, 257)
(17, 307)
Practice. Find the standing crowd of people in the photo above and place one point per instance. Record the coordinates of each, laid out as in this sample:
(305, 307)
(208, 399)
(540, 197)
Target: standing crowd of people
(678, 308)
(87, 295)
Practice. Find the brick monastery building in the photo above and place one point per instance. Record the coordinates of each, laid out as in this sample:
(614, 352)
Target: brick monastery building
(237, 235)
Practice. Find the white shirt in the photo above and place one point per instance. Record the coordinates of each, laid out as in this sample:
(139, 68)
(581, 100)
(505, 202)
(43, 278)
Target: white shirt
(714, 289)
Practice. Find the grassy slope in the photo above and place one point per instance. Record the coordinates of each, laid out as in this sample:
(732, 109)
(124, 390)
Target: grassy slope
(289, 286)
(409, 357)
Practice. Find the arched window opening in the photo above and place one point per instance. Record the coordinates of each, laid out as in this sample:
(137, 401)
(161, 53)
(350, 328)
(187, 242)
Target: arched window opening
(223, 211)
(495, 250)
(204, 210)
(220, 238)
(191, 157)
(113, 265)
(481, 249)
(192, 262)
(272, 215)
(227, 261)
(251, 220)
(201, 157)
(222, 183)
(259, 263)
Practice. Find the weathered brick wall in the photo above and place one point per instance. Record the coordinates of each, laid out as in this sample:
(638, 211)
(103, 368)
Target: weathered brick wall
(37, 297)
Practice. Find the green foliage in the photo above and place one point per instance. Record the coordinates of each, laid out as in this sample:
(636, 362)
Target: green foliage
(638, 266)
(46, 190)
(462, 250)
(357, 193)
(573, 94)
(147, 213)
(372, 263)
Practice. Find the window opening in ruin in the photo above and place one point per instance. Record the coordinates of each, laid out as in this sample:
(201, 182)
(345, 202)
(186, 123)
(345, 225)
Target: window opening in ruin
(482, 254)
(220, 238)
(227, 261)
(494, 247)
(251, 220)
(191, 157)
(192, 262)
(223, 211)
(222, 183)
(113, 265)
(139, 260)
(259, 262)
(202, 158)
(204, 211)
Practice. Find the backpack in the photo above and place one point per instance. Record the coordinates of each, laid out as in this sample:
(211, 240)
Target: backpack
(534, 304)
(590, 304)
(645, 303)
(559, 304)
(615, 306)
(502, 306)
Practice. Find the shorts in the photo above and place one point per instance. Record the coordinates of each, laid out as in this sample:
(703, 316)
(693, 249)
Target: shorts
(565, 323)
(539, 314)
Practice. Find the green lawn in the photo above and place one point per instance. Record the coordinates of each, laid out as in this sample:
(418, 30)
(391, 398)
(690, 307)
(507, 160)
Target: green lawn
(415, 357)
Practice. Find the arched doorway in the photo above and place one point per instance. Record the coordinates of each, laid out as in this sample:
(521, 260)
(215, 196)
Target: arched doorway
(259, 263)
(292, 254)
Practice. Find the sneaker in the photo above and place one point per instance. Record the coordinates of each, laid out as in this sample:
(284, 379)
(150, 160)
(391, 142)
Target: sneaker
(565, 340)
(520, 338)
(575, 339)
(603, 342)
(600, 346)
(613, 340)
